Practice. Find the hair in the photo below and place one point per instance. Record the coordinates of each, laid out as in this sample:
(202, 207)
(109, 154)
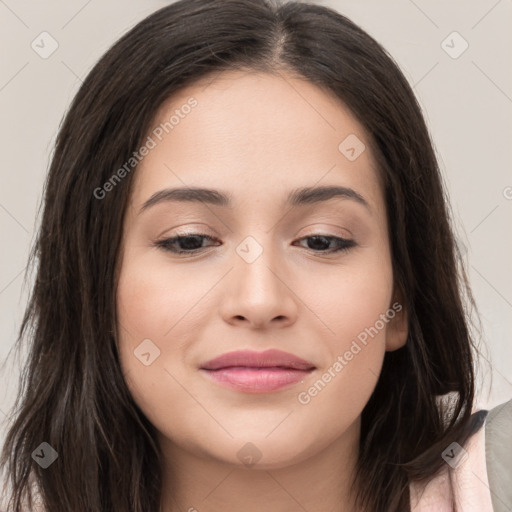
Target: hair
(72, 393)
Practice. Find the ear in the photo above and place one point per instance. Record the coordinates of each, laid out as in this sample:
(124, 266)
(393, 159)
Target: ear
(398, 326)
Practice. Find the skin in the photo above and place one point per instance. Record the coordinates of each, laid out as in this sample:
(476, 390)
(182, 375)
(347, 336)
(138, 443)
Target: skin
(257, 137)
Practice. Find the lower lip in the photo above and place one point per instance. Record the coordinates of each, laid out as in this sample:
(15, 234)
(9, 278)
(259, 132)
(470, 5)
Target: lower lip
(257, 380)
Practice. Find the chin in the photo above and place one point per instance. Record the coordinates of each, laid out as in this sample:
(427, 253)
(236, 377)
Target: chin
(260, 452)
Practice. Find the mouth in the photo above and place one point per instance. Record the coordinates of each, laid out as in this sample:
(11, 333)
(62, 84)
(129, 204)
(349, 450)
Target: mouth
(257, 372)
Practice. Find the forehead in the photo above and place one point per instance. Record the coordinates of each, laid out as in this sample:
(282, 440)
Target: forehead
(255, 134)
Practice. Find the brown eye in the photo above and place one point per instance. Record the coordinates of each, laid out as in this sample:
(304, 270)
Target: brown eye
(184, 244)
(323, 243)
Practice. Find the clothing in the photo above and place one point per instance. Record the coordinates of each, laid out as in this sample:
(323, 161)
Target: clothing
(480, 480)
(498, 449)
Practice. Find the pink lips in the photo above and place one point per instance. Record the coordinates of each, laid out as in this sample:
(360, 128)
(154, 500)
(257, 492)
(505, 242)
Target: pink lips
(257, 372)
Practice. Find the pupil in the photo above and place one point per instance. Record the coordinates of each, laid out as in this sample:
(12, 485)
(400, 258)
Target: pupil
(190, 242)
(314, 242)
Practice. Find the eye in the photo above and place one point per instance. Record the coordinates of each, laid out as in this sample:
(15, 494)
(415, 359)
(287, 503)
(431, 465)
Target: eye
(192, 243)
(189, 243)
(320, 243)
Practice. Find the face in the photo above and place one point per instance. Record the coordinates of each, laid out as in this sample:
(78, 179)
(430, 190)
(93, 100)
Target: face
(262, 267)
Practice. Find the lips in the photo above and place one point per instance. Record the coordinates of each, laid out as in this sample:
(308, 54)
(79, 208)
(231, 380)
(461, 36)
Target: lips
(257, 372)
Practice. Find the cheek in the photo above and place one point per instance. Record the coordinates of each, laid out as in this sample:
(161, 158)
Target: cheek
(148, 306)
(160, 304)
(354, 313)
(348, 301)
(158, 314)
(354, 310)
(148, 302)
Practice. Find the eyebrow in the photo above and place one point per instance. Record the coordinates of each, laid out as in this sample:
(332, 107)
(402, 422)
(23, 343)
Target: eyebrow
(296, 198)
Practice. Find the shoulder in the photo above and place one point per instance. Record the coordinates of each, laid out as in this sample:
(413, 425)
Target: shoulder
(498, 453)
(472, 476)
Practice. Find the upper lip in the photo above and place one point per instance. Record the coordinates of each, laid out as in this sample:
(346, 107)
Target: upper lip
(251, 359)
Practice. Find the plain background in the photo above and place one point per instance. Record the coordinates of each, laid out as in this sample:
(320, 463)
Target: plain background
(467, 103)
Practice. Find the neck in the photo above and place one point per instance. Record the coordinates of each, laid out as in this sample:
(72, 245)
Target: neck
(320, 482)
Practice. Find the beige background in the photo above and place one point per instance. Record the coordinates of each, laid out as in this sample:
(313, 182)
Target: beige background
(467, 102)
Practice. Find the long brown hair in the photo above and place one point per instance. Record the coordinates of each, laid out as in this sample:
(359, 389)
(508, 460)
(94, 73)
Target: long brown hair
(72, 392)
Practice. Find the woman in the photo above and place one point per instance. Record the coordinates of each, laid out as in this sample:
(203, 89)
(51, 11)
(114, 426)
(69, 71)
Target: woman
(248, 292)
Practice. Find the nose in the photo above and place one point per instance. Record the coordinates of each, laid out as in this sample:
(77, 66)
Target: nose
(259, 293)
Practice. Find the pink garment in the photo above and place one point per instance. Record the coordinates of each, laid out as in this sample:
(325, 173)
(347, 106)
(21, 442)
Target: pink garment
(469, 483)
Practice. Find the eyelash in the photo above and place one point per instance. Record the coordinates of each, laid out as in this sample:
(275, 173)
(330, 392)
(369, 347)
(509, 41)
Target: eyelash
(167, 243)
